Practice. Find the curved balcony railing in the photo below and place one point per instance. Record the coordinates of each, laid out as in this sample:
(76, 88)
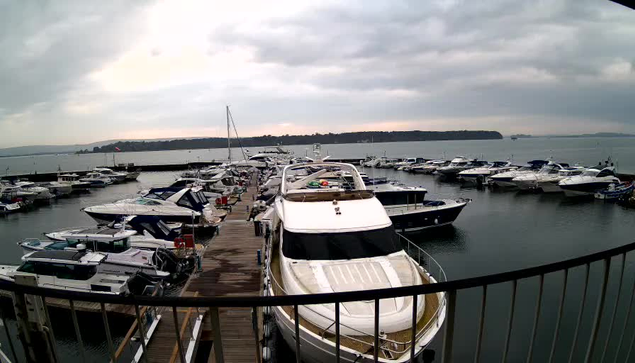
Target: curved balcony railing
(616, 331)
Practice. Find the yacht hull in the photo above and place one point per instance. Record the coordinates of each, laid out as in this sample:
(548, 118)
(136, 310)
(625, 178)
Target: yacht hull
(425, 217)
(107, 217)
(585, 189)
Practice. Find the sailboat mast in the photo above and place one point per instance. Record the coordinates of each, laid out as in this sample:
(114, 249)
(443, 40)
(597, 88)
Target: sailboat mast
(229, 142)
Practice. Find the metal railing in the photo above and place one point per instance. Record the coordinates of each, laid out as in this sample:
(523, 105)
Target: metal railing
(614, 329)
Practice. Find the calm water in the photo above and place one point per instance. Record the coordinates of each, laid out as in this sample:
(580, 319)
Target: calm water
(498, 231)
(587, 151)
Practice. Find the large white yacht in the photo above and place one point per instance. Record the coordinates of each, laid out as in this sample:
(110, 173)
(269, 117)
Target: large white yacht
(41, 193)
(457, 165)
(589, 182)
(335, 237)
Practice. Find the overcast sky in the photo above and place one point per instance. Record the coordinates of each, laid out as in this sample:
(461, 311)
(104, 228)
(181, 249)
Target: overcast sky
(84, 71)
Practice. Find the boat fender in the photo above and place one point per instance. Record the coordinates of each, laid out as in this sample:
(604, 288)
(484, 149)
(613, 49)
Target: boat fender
(266, 310)
(266, 330)
(266, 353)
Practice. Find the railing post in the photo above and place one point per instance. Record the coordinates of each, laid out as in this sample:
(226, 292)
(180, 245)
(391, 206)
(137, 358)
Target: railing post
(218, 341)
(376, 345)
(111, 349)
(598, 311)
(628, 315)
(337, 332)
(142, 333)
(511, 320)
(536, 318)
(413, 341)
(177, 329)
(296, 321)
(481, 325)
(582, 305)
(560, 310)
(78, 333)
(449, 327)
(255, 318)
(617, 302)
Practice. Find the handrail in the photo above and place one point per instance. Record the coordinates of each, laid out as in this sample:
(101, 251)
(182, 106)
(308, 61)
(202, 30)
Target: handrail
(324, 298)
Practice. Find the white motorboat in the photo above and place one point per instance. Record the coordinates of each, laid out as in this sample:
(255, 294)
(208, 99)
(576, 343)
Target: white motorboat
(15, 194)
(6, 208)
(504, 179)
(457, 165)
(548, 183)
(115, 176)
(74, 182)
(428, 167)
(589, 182)
(57, 189)
(149, 232)
(529, 181)
(121, 258)
(169, 204)
(481, 174)
(41, 193)
(96, 180)
(404, 163)
(75, 271)
(334, 237)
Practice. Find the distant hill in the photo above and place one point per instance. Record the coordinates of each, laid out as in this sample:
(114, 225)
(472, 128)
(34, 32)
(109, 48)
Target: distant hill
(330, 138)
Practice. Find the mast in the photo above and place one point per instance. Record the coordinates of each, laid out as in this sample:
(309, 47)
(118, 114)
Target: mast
(229, 142)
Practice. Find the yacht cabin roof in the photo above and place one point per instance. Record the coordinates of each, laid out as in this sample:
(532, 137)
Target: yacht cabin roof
(65, 257)
(328, 217)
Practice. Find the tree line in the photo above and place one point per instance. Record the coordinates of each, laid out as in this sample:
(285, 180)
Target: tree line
(269, 140)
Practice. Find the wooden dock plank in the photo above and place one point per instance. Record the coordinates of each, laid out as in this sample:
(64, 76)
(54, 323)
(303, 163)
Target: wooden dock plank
(230, 268)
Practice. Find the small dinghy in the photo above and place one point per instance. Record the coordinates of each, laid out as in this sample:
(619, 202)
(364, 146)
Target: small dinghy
(615, 191)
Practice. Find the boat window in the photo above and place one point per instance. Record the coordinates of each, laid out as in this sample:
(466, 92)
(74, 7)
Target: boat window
(396, 198)
(113, 246)
(340, 246)
(184, 202)
(27, 267)
(179, 183)
(147, 201)
(605, 172)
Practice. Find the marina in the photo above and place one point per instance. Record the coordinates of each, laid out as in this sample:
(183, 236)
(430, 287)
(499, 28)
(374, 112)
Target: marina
(234, 259)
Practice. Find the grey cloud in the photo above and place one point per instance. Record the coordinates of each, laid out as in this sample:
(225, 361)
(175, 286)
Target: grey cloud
(48, 47)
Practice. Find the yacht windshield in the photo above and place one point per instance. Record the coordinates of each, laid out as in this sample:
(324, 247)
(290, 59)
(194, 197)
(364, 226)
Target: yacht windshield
(340, 246)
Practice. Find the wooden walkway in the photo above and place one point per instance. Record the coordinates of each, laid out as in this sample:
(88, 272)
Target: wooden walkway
(230, 268)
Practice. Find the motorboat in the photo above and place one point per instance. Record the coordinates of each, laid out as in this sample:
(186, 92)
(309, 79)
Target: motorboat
(548, 183)
(505, 179)
(96, 180)
(57, 189)
(75, 271)
(74, 182)
(149, 232)
(200, 201)
(321, 245)
(400, 165)
(12, 194)
(589, 182)
(132, 175)
(480, 175)
(615, 191)
(428, 167)
(457, 165)
(549, 172)
(169, 204)
(409, 211)
(116, 177)
(41, 193)
(6, 208)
